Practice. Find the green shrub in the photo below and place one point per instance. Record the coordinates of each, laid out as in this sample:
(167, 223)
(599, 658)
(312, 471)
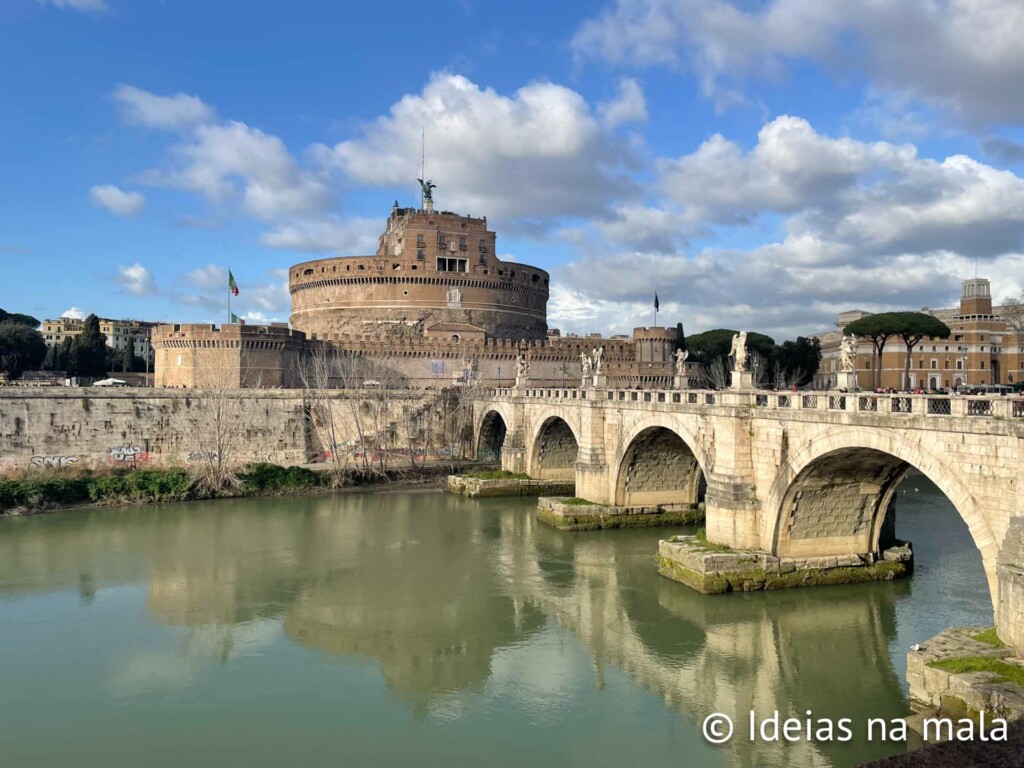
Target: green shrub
(263, 478)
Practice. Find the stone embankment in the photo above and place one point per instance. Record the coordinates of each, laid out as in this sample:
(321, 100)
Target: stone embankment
(571, 514)
(713, 569)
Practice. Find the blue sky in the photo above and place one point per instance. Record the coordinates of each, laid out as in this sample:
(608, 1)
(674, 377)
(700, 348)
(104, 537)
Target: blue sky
(759, 164)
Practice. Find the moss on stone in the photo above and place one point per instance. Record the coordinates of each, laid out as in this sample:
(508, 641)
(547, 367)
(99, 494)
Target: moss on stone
(755, 579)
(1001, 671)
(989, 637)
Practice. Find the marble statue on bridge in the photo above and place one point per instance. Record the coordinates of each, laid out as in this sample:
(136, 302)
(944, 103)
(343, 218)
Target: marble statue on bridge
(681, 357)
(522, 369)
(738, 353)
(586, 364)
(598, 360)
(846, 354)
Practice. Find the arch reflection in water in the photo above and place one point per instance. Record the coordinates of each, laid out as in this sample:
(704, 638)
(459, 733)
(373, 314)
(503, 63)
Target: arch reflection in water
(515, 630)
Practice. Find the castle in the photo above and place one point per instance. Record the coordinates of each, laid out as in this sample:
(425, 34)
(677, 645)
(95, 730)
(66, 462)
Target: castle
(433, 307)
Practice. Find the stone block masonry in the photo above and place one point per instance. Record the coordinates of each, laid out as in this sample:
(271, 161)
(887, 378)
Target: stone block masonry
(481, 488)
(557, 512)
(970, 692)
(90, 427)
(714, 569)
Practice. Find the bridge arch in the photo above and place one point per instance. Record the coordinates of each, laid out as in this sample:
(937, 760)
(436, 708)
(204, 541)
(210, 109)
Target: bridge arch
(553, 449)
(833, 494)
(491, 432)
(658, 461)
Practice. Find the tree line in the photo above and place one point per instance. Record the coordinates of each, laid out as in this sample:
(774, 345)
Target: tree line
(778, 366)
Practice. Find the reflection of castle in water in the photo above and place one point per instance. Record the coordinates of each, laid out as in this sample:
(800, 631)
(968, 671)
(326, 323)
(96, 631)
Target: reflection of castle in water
(432, 593)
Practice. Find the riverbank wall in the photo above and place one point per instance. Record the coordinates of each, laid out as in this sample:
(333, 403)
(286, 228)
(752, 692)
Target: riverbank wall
(91, 426)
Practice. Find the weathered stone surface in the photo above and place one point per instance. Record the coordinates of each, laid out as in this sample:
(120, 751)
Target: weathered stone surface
(973, 690)
(1010, 569)
(480, 488)
(710, 569)
(589, 517)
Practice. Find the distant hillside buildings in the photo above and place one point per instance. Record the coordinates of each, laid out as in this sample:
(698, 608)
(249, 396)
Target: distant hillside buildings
(119, 333)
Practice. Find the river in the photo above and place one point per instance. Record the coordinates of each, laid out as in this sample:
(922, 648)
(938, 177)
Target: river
(392, 629)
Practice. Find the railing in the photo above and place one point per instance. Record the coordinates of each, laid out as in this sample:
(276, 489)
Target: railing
(979, 407)
(927, 406)
(901, 404)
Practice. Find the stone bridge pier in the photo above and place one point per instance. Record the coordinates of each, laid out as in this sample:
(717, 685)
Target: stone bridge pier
(802, 480)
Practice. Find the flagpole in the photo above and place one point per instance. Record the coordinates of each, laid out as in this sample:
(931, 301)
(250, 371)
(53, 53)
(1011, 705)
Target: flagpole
(229, 295)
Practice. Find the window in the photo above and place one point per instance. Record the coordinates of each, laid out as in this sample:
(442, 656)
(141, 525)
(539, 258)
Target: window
(462, 243)
(959, 365)
(935, 364)
(421, 241)
(958, 338)
(483, 245)
(420, 255)
(307, 272)
(441, 241)
(451, 265)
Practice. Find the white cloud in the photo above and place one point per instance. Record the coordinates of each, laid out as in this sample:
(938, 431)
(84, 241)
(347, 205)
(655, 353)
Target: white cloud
(74, 312)
(231, 161)
(116, 200)
(960, 55)
(135, 279)
(168, 112)
(538, 154)
(628, 106)
(85, 6)
(791, 167)
(869, 225)
(207, 287)
(344, 236)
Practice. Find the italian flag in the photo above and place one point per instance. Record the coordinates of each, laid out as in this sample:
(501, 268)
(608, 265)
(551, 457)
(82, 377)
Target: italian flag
(232, 285)
(235, 318)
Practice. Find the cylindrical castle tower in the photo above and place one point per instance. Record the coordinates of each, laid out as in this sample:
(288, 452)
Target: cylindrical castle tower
(434, 273)
(654, 345)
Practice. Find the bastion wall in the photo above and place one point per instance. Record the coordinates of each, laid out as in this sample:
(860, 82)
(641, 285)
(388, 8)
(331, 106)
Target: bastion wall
(93, 427)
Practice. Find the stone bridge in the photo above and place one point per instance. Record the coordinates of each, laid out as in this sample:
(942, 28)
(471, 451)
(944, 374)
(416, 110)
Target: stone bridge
(795, 475)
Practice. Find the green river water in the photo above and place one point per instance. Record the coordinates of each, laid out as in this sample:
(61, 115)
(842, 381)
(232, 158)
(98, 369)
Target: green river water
(423, 629)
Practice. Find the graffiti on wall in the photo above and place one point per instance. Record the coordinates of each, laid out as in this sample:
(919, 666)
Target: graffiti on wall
(195, 456)
(126, 453)
(52, 462)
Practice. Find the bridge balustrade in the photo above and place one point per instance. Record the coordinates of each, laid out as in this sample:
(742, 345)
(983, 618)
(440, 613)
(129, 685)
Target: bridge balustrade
(981, 406)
